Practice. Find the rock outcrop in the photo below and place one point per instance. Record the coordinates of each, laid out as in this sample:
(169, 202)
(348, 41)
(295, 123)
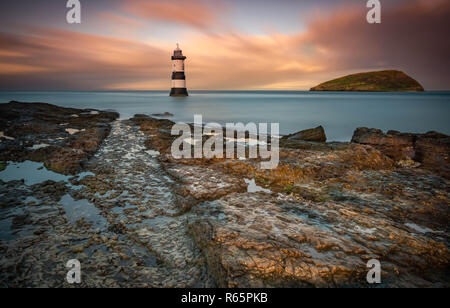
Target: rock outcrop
(162, 115)
(396, 145)
(314, 134)
(431, 150)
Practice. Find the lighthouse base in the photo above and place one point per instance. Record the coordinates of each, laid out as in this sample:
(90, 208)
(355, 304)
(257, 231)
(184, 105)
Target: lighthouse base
(179, 92)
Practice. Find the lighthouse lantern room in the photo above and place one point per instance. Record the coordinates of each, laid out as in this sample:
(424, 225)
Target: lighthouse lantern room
(178, 77)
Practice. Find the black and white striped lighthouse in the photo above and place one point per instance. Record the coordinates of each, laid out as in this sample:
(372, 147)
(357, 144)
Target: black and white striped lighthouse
(178, 77)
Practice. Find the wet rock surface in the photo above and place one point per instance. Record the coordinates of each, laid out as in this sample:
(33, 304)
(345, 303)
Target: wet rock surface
(321, 216)
(276, 241)
(120, 219)
(63, 138)
(137, 217)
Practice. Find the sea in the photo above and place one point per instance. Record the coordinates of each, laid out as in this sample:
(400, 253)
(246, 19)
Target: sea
(340, 113)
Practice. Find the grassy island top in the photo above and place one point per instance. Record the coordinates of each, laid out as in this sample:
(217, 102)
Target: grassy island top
(381, 81)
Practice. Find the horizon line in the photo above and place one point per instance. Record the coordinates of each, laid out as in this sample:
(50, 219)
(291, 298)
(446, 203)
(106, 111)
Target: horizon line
(218, 90)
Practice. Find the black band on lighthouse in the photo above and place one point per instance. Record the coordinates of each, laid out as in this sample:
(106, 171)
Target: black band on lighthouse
(178, 76)
(179, 92)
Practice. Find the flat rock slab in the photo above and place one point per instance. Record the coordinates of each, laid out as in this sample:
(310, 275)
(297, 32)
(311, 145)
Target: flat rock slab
(203, 183)
(258, 240)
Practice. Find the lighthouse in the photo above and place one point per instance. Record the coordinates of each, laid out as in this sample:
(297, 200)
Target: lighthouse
(178, 77)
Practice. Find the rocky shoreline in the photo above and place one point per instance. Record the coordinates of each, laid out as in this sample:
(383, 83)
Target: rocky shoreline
(62, 138)
(136, 217)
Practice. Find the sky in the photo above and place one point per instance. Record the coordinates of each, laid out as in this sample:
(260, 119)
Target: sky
(229, 44)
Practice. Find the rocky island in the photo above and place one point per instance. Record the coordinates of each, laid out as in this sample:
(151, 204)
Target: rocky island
(136, 217)
(381, 81)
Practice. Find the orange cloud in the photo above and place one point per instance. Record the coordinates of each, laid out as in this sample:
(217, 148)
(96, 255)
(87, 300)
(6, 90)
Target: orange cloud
(195, 13)
(239, 61)
(412, 37)
(11, 69)
(71, 60)
(120, 24)
(54, 59)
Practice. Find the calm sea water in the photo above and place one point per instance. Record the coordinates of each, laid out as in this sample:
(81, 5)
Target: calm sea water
(339, 113)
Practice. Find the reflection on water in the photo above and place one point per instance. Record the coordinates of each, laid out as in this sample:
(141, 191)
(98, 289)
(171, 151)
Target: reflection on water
(79, 209)
(7, 216)
(339, 113)
(31, 172)
(5, 229)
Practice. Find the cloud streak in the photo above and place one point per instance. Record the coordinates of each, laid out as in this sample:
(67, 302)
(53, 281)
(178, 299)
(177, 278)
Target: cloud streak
(413, 37)
(194, 13)
(55, 59)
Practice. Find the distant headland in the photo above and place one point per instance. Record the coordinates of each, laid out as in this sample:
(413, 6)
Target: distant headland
(381, 81)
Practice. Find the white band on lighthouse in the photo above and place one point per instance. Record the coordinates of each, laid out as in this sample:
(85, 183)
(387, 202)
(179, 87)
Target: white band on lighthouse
(178, 65)
(178, 83)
